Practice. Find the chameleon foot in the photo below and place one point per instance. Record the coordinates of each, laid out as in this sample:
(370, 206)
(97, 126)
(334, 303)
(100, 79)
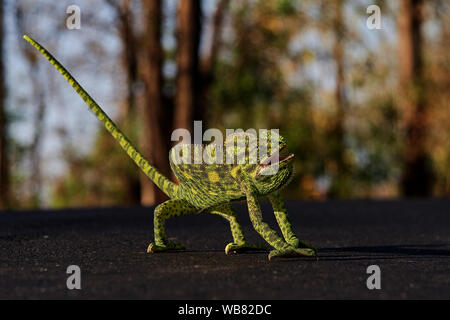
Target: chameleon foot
(296, 243)
(292, 252)
(153, 248)
(242, 247)
(304, 244)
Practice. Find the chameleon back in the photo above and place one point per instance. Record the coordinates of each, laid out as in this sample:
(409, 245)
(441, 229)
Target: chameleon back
(203, 182)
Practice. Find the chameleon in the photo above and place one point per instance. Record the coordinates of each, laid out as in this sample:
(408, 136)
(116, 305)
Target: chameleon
(212, 187)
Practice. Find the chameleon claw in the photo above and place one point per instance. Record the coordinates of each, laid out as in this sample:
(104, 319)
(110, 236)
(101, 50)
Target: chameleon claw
(154, 248)
(296, 243)
(242, 247)
(304, 244)
(292, 252)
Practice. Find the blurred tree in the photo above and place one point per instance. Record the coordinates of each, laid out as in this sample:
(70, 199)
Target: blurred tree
(89, 181)
(338, 166)
(128, 114)
(4, 167)
(417, 176)
(208, 63)
(129, 55)
(438, 95)
(38, 98)
(188, 78)
(155, 139)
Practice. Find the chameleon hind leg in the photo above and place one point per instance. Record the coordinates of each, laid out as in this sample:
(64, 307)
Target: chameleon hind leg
(239, 244)
(170, 208)
(283, 221)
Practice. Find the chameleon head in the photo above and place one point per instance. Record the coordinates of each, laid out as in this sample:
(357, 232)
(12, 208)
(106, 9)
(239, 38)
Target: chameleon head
(273, 170)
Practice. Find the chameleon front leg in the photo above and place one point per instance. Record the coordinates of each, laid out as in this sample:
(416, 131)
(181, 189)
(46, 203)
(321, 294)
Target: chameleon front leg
(170, 208)
(283, 221)
(239, 244)
(282, 249)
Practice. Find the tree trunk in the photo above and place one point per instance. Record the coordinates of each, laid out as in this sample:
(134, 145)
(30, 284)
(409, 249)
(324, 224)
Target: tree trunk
(36, 177)
(207, 64)
(155, 144)
(129, 55)
(417, 175)
(128, 116)
(4, 174)
(188, 37)
(340, 186)
(38, 97)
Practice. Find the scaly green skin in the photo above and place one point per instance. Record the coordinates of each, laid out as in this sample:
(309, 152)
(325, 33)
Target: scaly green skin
(210, 187)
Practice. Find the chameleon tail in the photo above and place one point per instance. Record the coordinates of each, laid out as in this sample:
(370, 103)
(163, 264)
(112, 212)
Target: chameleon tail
(167, 186)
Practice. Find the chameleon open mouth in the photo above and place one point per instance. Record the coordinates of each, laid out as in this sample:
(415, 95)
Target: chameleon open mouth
(276, 158)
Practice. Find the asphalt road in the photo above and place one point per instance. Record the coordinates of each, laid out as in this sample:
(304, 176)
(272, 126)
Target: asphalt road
(408, 240)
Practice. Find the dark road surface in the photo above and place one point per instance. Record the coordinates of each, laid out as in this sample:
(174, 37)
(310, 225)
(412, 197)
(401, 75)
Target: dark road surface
(408, 240)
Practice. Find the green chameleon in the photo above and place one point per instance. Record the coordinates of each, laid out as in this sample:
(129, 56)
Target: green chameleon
(211, 187)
